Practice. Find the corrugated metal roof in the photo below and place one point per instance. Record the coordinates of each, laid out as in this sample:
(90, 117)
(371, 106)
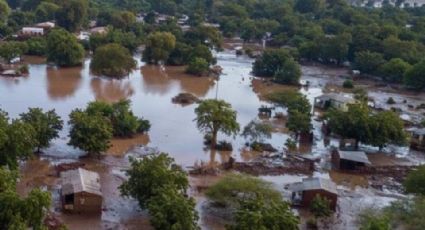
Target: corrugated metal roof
(80, 180)
(357, 156)
(314, 183)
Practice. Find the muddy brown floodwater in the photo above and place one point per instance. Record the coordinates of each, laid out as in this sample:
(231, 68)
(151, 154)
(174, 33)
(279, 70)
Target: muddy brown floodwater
(151, 88)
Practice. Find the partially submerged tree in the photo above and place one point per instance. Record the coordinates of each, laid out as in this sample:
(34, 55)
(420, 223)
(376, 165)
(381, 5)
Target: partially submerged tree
(17, 212)
(148, 176)
(63, 48)
(289, 73)
(234, 189)
(198, 66)
(17, 141)
(257, 131)
(45, 124)
(159, 45)
(12, 49)
(213, 116)
(170, 210)
(270, 62)
(299, 123)
(258, 214)
(112, 60)
(91, 133)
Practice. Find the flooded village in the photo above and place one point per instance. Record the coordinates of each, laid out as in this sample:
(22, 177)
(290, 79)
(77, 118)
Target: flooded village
(216, 115)
(375, 181)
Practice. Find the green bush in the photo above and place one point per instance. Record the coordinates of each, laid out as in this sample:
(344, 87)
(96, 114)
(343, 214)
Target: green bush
(198, 66)
(348, 84)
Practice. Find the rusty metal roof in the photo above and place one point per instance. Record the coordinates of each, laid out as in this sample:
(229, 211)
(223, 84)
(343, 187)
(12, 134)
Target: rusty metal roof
(80, 180)
(314, 183)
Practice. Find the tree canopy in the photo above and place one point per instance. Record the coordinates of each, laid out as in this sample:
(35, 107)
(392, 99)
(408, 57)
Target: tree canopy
(63, 48)
(45, 124)
(213, 116)
(112, 60)
(159, 45)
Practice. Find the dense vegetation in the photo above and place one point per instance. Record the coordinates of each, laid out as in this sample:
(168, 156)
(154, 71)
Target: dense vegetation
(387, 42)
(160, 185)
(112, 60)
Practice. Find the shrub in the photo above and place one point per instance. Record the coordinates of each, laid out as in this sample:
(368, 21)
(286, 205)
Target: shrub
(348, 84)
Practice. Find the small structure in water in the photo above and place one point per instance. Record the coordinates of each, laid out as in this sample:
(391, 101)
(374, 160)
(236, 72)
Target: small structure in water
(304, 192)
(81, 191)
(417, 140)
(349, 160)
(265, 111)
(333, 100)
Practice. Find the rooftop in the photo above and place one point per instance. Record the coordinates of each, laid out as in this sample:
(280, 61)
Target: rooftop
(357, 156)
(337, 97)
(418, 131)
(314, 183)
(80, 180)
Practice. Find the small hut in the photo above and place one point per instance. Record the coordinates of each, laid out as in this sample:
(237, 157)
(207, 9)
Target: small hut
(303, 193)
(81, 191)
(334, 100)
(417, 140)
(349, 160)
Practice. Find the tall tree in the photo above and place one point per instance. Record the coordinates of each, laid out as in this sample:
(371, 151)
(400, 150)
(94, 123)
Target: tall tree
(213, 116)
(63, 48)
(256, 214)
(159, 45)
(46, 125)
(90, 133)
(4, 11)
(415, 76)
(72, 14)
(112, 60)
(148, 176)
(17, 212)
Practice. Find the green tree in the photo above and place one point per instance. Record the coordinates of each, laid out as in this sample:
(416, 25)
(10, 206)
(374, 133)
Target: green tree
(256, 214)
(257, 131)
(415, 76)
(309, 6)
(149, 176)
(213, 116)
(12, 49)
(112, 60)
(46, 11)
(415, 181)
(270, 62)
(351, 124)
(374, 220)
(46, 125)
(91, 133)
(320, 207)
(17, 212)
(171, 210)
(290, 73)
(37, 46)
(299, 123)
(72, 14)
(234, 189)
(386, 128)
(159, 45)
(407, 213)
(368, 62)
(292, 100)
(63, 48)
(198, 66)
(17, 141)
(4, 11)
(393, 70)
(124, 122)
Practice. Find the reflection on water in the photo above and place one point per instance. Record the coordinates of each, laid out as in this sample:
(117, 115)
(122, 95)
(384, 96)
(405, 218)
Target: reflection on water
(111, 90)
(62, 83)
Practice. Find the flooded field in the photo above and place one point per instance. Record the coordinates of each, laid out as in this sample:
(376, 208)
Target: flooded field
(151, 88)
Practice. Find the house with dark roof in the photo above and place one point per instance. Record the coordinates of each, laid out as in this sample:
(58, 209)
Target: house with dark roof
(349, 160)
(303, 193)
(81, 191)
